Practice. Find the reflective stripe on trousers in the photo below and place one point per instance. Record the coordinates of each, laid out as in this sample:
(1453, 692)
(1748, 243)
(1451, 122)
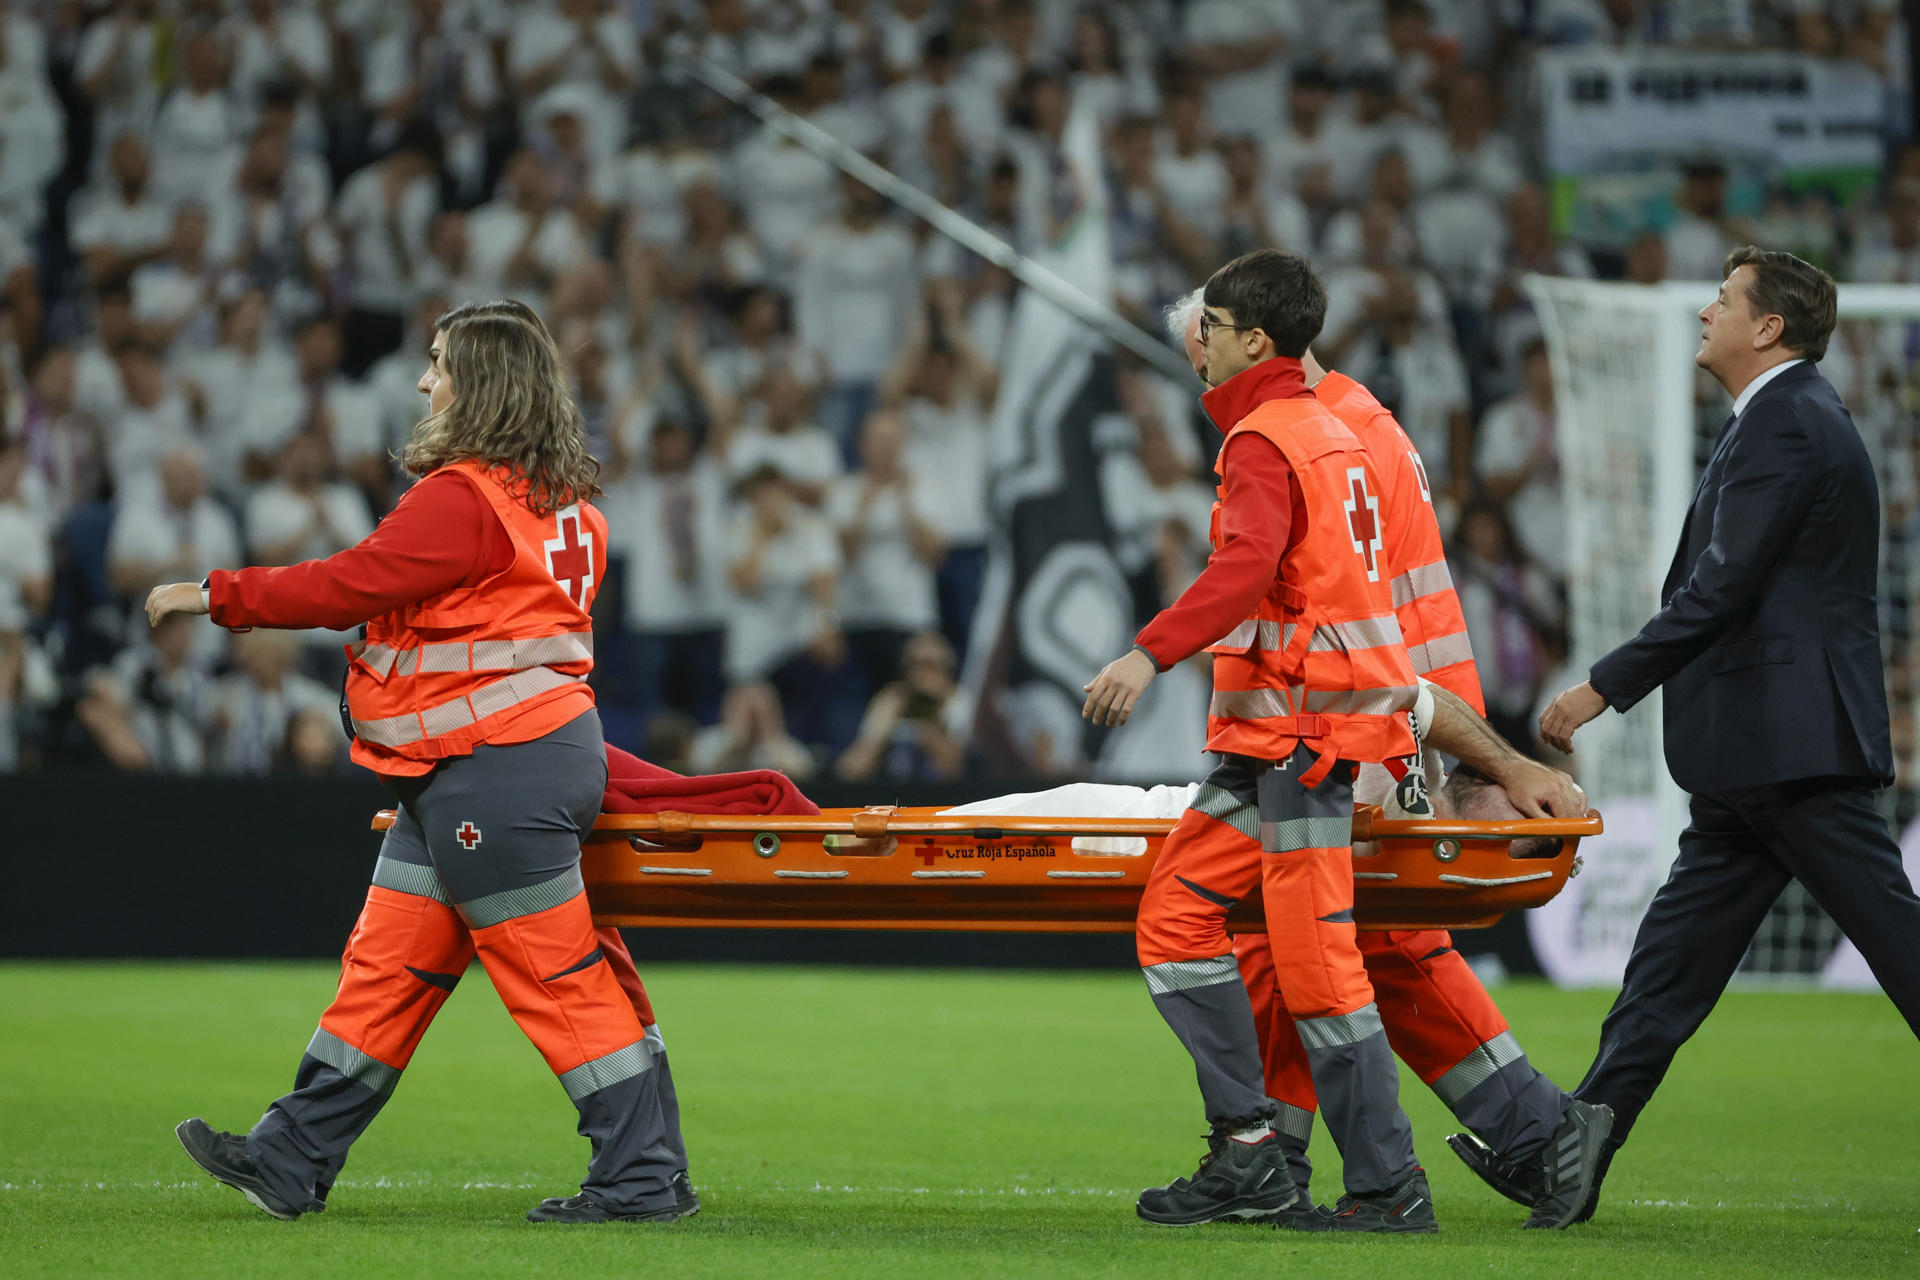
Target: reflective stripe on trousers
(1186, 975)
(1477, 1068)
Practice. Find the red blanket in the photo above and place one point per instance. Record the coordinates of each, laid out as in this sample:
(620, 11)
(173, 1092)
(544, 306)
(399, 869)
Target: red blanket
(634, 786)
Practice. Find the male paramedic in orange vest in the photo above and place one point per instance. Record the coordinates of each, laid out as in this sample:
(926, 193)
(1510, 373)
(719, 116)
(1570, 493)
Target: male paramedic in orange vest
(1310, 679)
(1437, 1013)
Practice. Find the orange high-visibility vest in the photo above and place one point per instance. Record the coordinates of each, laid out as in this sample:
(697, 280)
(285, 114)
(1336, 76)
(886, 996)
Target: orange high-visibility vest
(1321, 661)
(1431, 621)
(503, 661)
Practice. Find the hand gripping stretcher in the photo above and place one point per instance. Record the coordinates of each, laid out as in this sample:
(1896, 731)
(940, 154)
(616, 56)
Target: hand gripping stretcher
(901, 868)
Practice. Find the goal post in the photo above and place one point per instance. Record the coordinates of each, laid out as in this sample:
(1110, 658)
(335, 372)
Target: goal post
(1633, 419)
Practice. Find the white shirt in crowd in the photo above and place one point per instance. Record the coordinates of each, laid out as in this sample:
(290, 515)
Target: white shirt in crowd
(785, 190)
(248, 398)
(775, 621)
(950, 442)
(32, 131)
(26, 559)
(673, 532)
(194, 138)
(1195, 185)
(883, 585)
(1696, 248)
(104, 219)
(138, 438)
(374, 261)
(298, 41)
(853, 297)
(147, 529)
(164, 294)
(130, 93)
(1511, 434)
(804, 454)
(1141, 509)
(1432, 387)
(1245, 101)
(334, 517)
(540, 34)
(495, 231)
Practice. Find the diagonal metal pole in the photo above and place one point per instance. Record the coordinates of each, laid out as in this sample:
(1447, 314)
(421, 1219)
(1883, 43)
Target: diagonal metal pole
(1060, 292)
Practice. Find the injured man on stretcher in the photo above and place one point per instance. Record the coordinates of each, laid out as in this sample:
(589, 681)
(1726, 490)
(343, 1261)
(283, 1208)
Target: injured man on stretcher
(1492, 783)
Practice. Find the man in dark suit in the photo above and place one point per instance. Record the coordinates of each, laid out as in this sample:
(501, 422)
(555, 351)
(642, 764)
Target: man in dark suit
(1776, 715)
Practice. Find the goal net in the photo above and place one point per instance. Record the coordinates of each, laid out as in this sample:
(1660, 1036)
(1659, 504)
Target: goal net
(1635, 420)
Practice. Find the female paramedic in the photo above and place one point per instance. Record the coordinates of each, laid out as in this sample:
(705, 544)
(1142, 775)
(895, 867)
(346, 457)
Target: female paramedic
(467, 694)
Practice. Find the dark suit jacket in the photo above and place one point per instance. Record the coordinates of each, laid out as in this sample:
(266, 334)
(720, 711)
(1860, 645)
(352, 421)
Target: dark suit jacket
(1769, 643)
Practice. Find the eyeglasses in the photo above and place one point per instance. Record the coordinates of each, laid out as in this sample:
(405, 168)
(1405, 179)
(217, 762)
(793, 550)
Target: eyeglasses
(1208, 324)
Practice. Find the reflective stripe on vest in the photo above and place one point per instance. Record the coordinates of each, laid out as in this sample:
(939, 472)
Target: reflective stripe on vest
(457, 713)
(445, 657)
(1268, 704)
(1328, 637)
(1441, 651)
(1423, 580)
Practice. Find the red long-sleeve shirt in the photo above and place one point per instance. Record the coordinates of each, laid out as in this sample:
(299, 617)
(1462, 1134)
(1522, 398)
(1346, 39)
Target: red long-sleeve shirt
(1261, 511)
(441, 535)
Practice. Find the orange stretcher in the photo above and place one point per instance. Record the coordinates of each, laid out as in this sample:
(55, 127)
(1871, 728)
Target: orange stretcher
(895, 868)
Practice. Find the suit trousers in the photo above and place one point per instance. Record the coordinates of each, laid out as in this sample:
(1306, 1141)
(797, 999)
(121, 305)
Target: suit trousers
(1736, 855)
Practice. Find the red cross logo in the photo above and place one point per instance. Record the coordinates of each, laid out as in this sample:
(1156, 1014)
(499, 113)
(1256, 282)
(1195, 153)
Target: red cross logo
(570, 556)
(1363, 510)
(927, 853)
(468, 835)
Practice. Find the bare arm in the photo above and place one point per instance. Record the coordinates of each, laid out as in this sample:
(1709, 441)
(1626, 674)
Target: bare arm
(1536, 790)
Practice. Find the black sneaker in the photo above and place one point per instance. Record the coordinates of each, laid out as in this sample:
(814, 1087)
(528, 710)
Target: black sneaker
(1234, 1180)
(1407, 1209)
(1515, 1180)
(224, 1155)
(584, 1207)
(685, 1199)
(1302, 1215)
(1568, 1170)
(1599, 1176)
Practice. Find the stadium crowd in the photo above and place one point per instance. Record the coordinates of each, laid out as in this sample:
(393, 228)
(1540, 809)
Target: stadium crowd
(226, 227)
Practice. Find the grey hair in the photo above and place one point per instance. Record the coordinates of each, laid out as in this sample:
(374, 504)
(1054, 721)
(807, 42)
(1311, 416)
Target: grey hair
(1181, 313)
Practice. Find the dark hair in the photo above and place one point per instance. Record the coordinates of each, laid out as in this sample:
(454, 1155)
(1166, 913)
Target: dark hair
(1801, 294)
(1312, 76)
(1273, 291)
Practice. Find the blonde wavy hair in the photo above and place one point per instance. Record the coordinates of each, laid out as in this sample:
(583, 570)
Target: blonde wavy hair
(512, 407)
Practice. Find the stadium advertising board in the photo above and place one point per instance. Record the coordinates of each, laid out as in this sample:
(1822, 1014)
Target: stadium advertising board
(1614, 122)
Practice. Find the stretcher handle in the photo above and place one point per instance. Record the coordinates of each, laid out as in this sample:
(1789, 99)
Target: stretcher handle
(871, 824)
(1369, 825)
(875, 823)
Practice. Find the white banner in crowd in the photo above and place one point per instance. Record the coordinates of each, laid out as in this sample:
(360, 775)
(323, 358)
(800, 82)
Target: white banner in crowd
(1605, 108)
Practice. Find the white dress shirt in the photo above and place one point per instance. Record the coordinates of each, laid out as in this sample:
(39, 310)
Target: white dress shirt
(1745, 398)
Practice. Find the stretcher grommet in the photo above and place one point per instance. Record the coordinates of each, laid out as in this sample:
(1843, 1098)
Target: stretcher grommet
(766, 843)
(1446, 850)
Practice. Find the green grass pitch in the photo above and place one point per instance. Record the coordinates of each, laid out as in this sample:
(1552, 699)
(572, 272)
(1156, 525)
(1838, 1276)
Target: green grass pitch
(897, 1124)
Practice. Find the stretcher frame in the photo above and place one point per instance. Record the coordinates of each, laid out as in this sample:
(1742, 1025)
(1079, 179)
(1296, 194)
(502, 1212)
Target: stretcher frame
(884, 867)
